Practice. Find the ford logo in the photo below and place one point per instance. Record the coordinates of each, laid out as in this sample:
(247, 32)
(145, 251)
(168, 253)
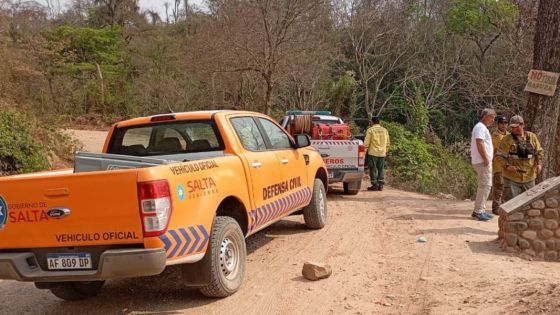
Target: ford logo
(58, 213)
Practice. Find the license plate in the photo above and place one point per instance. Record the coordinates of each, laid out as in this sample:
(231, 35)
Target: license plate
(69, 261)
(331, 175)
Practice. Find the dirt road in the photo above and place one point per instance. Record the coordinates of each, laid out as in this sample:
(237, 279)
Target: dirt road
(378, 268)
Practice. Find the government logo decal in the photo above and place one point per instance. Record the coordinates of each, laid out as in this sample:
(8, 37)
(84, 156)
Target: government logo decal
(3, 212)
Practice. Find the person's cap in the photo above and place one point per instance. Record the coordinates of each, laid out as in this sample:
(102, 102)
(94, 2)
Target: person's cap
(501, 119)
(515, 121)
(375, 119)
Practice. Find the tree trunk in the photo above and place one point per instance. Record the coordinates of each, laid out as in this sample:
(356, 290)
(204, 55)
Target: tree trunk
(268, 98)
(543, 111)
(101, 85)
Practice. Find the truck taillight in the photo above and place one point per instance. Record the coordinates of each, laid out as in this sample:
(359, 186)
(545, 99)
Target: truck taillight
(361, 155)
(154, 198)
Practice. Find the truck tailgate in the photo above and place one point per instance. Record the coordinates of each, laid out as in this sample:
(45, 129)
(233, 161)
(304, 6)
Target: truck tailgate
(338, 154)
(64, 210)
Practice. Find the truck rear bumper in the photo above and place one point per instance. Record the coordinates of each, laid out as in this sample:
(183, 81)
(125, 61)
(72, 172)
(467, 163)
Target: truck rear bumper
(345, 176)
(114, 263)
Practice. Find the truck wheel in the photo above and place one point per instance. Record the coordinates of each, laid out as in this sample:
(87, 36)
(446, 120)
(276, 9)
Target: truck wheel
(352, 188)
(315, 214)
(74, 291)
(227, 258)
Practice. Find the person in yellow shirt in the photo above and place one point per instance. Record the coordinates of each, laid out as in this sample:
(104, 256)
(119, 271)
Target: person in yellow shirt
(377, 145)
(521, 157)
(497, 180)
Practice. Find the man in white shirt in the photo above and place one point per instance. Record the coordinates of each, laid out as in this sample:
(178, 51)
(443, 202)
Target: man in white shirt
(482, 152)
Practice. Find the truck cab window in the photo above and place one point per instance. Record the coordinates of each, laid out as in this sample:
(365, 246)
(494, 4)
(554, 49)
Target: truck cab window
(248, 133)
(278, 138)
(166, 138)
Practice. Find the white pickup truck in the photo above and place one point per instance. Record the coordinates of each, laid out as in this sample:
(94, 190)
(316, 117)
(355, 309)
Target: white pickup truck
(343, 154)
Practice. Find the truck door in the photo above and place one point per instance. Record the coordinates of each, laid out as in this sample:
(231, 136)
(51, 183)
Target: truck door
(263, 171)
(292, 161)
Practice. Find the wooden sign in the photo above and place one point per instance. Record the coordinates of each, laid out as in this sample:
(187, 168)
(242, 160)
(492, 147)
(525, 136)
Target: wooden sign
(542, 82)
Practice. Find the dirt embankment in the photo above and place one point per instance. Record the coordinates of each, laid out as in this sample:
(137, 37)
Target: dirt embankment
(378, 268)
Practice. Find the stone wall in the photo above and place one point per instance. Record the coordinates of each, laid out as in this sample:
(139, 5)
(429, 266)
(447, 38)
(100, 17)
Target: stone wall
(530, 223)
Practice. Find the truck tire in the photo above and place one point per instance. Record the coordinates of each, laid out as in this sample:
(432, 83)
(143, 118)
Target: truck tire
(352, 188)
(315, 214)
(74, 291)
(227, 258)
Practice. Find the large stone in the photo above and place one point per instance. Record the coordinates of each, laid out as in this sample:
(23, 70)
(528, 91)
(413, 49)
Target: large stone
(538, 246)
(539, 204)
(557, 233)
(551, 255)
(551, 202)
(530, 235)
(511, 239)
(551, 224)
(529, 252)
(557, 246)
(516, 216)
(534, 213)
(550, 244)
(523, 243)
(316, 271)
(545, 234)
(550, 213)
(516, 226)
(536, 224)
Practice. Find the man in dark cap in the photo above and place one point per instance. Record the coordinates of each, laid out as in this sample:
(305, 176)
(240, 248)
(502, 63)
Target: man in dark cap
(497, 180)
(377, 145)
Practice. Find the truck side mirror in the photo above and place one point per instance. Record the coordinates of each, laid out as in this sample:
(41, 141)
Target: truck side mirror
(302, 140)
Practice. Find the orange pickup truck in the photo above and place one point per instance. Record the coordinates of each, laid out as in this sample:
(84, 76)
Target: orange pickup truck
(182, 188)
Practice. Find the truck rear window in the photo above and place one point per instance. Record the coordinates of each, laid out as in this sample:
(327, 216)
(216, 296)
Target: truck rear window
(166, 138)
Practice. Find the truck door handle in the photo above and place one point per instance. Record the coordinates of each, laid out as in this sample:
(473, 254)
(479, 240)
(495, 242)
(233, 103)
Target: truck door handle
(256, 164)
(284, 161)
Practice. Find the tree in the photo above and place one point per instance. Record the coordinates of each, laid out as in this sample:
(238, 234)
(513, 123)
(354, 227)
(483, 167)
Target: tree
(543, 111)
(376, 43)
(481, 21)
(116, 12)
(266, 37)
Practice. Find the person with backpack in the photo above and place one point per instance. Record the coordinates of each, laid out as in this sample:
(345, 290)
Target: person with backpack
(521, 157)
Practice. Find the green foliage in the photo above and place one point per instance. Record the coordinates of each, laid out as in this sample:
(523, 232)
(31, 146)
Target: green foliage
(341, 95)
(19, 151)
(414, 115)
(75, 78)
(87, 45)
(416, 165)
(477, 18)
(410, 159)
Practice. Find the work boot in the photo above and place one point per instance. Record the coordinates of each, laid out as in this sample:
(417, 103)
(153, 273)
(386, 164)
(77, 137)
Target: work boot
(380, 187)
(373, 187)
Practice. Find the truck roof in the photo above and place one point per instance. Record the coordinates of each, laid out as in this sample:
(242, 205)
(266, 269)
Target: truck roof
(204, 114)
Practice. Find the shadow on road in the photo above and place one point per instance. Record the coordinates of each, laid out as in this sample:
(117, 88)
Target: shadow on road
(488, 247)
(456, 231)
(430, 217)
(162, 294)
